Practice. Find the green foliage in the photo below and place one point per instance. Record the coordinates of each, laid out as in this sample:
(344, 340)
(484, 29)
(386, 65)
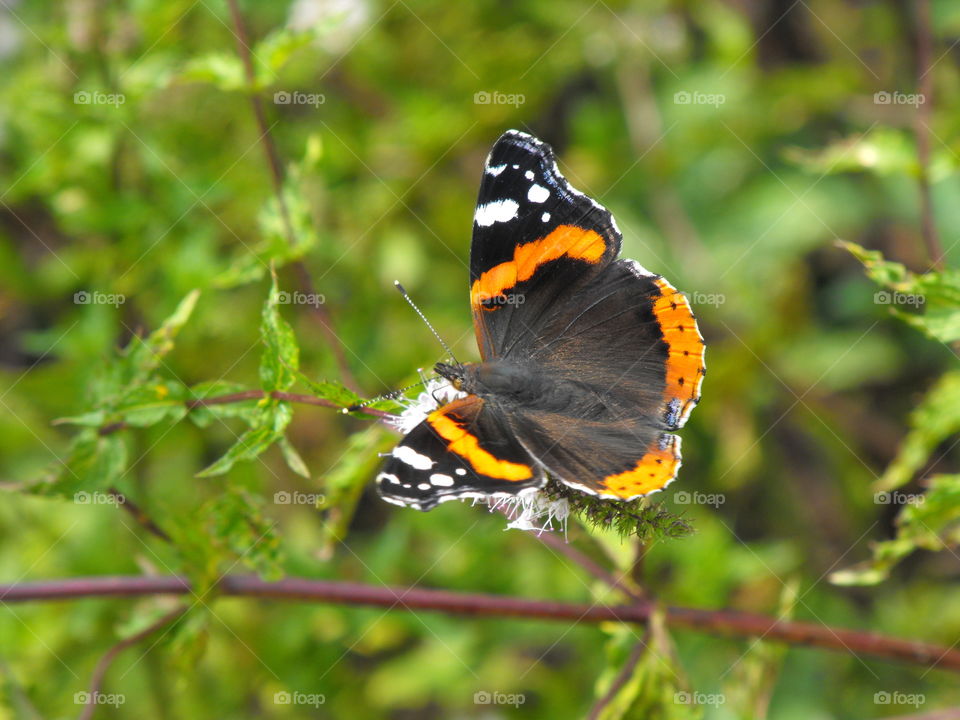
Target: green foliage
(151, 329)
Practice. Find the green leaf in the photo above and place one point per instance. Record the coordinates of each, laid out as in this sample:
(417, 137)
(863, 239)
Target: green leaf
(279, 244)
(344, 484)
(930, 521)
(281, 356)
(239, 528)
(273, 52)
(224, 70)
(292, 458)
(149, 404)
(204, 415)
(95, 462)
(333, 391)
(936, 293)
(270, 424)
(143, 356)
(935, 419)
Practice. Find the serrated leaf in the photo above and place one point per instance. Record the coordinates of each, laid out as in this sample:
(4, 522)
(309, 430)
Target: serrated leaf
(271, 421)
(937, 294)
(333, 391)
(935, 419)
(149, 404)
(237, 525)
(930, 521)
(281, 354)
(94, 462)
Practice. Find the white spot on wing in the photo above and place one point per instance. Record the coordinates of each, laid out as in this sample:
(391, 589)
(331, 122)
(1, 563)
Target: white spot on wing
(423, 486)
(442, 480)
(496, 170)
(461, 471)
(411, 457)
(528, 174)
(496, 211)
(389, 477)
(537, 193)
(545, 217)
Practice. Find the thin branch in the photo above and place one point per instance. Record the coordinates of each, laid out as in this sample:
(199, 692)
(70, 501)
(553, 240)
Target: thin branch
(96, 681)
(139, 515)
(726, 623)
(320, 312)
(255, 395)
(922, 131)
(622, 678)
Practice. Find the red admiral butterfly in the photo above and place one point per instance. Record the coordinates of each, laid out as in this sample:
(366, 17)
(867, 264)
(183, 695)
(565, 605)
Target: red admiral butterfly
(588, 361)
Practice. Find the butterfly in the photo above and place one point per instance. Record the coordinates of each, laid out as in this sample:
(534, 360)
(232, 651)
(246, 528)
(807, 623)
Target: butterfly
(588, 362)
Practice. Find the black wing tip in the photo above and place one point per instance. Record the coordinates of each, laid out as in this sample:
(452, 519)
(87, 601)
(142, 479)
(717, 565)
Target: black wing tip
(523, 141)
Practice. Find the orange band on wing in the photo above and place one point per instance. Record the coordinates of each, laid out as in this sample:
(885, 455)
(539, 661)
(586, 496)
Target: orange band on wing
(565, 241)
(653, 471)
(685, 363)
(468, 447)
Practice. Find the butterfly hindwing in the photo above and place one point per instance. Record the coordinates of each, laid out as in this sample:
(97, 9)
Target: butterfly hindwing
(463, 449)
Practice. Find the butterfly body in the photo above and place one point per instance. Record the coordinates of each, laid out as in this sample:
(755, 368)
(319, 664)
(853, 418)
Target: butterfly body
(588, 361)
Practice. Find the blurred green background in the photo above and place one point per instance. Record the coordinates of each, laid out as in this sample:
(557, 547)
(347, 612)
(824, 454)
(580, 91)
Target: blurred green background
(735, 142)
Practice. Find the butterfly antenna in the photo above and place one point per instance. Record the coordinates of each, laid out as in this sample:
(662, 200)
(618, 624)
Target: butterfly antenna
(427, 322)
(392, 395)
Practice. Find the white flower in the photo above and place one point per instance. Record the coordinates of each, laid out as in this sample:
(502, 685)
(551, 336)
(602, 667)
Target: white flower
(436, 392)
(534, 510)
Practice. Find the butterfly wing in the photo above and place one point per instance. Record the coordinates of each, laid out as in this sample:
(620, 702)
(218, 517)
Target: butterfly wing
(535, 241)
(463, 449)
